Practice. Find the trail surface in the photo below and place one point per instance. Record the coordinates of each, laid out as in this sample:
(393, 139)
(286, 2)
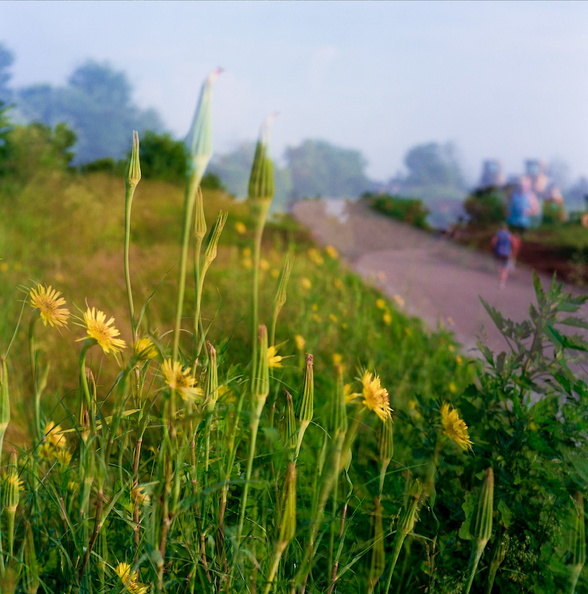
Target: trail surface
(439, 281)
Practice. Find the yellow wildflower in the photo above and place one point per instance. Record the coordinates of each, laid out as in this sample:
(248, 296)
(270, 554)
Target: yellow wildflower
(247, 263)
(333, 318)
(274, 273)
(140, 495)
(375, 397)
(181, 380)
(452, 387)
(50, 305)
(274, 360)
(54, 435)
(338, 284)
(337, 358)
(387, 318)
(380, 304)
(264, 264)
(300, 342)
(240, 228)
(3, 267)
(129, 580)
(349, 394)
(458, 360)
(246, 252)
(315, 256)
(315, 307)
(451, 348)
(102, 331)
(145, 349)
(454, 427)
(306, 284)
(332, 252)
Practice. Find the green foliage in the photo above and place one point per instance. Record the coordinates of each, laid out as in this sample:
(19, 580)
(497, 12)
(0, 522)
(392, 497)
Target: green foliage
(163, 158)
(486, 207)
(407, 210)
(321, 169)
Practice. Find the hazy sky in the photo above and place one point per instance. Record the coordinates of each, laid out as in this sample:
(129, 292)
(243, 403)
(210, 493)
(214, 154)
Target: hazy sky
(506, 80)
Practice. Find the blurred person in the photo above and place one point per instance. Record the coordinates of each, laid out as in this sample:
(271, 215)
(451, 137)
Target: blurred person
(522, 205)
(502, 248)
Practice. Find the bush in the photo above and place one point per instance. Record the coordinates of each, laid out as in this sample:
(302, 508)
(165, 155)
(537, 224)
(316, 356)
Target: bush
(407, 210)
(486, 207)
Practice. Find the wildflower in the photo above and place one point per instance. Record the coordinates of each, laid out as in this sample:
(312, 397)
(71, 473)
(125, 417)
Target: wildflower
(273, 359)
(306, 284)
(315, 256)
(102, 331)
(247, 263)
(380, 304)
(454, 427)
(129, 580)
(338, 284)
(3, 267)
(451, 348)
(458, 360)
(49, 303)
(140, 495)
(387, 318)
(337, 358)
(332, 252)
(452, 387)
(246, 252)
(375, 397)
(349, 394)
(145, 349)
(264, 264)
(300, 342)
(274, 273)
(315, 307)
(240, 228)
(181, 380)
(54, 435)
(333, 318)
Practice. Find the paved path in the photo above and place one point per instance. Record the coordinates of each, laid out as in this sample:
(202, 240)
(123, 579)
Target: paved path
(440, 282)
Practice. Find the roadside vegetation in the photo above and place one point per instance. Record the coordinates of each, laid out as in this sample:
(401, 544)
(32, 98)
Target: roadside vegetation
(195, 397)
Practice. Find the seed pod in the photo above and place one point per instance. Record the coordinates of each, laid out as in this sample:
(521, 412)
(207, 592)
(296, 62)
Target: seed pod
(210, 246)
(290, 424)
(409, 514)
(11, 498)
(261, 179)
(199, 218)
(260, 380)
(134, 166)
(481, 526)
(280, 292)
(211, 385)
(200, 136)
(4, 400)
(307, 404)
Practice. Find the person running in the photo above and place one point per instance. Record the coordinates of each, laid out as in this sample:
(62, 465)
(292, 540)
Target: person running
(502, 247)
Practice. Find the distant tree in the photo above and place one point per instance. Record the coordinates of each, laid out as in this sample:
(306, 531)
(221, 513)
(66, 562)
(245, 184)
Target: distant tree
(163, 157)
(486, 207)
(6, 61)
(97, 104)
(433, 172)
(318, 168)
(5, 127)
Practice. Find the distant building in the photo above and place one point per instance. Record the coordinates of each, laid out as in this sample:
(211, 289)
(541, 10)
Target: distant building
(535, 170)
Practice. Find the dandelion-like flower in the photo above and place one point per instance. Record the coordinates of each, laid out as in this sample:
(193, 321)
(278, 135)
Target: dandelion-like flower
(102, 331)
(300, 342)
(274, 360)
(180, 379)
(454, 427)
(50, 305)
(129, 580)
(145, 349)
(375, 397)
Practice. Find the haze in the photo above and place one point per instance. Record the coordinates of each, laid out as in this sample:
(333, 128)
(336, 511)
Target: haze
(505, 80)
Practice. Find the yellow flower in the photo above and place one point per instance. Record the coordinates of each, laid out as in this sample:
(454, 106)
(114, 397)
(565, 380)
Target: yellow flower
(300, 342)
(337, 358)
(458, 360)
(315, 256)
(332, 252)
(306, 284)
(247, 263)
(387, 318)
(349, 394)
(54, 435)
(375, 397)
(274, 360)
(140, 495)
(3, 267)
(454, 427)
(49, 303)
(181, 380)
(315, 307)
(338, 284)
(102, 331)
(129, 581)
(246, 252)
(145, 349)
(264, 264)
(274, 273)
(451, 348)
(452, 387)
(240, 228)
(333, 318)
(380, 304)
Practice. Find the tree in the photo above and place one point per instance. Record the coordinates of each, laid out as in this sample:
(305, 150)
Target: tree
(6, 61)
(321, 169)
(433, 171)
(97, 104)
(5, 128)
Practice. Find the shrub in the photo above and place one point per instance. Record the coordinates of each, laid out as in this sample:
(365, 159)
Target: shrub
(407, 210)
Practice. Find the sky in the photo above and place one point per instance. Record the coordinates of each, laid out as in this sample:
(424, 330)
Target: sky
(501, 80)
